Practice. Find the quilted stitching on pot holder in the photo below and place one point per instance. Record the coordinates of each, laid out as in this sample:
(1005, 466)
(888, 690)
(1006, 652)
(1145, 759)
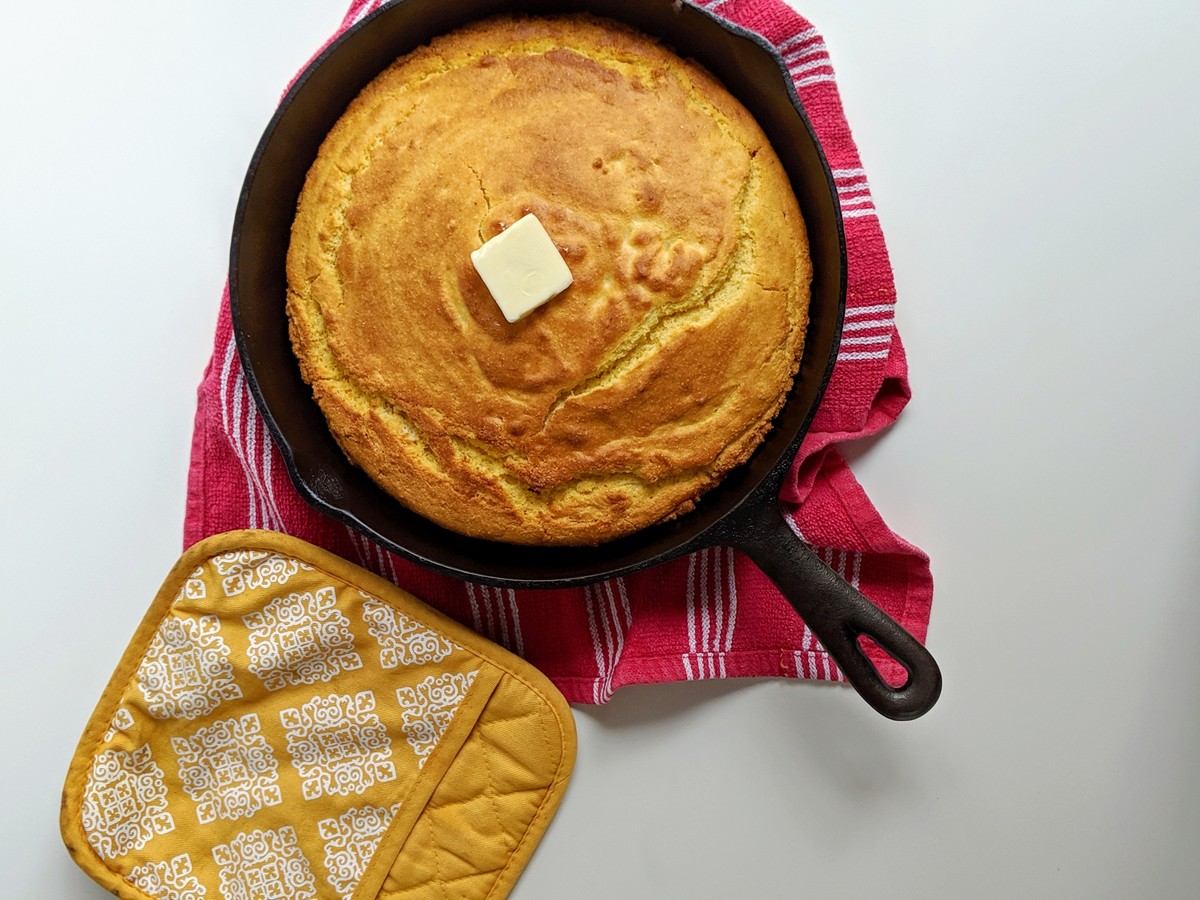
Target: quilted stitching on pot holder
(285, 724)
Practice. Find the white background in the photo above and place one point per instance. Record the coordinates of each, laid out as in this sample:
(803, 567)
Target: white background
(1035, 169)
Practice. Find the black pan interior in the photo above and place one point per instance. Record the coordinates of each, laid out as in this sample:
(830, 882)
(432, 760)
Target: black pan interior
(267, 204)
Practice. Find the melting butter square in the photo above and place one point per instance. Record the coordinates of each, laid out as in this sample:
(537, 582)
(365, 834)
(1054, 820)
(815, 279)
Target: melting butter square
(522, 268)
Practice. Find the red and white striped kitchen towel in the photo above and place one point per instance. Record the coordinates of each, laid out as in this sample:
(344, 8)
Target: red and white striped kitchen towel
(710, 615)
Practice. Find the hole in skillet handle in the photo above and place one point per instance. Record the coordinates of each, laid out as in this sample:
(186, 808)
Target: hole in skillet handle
(891, 670)
(841, 618)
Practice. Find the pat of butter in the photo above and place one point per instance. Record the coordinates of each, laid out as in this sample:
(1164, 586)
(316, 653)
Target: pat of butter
(522, 268)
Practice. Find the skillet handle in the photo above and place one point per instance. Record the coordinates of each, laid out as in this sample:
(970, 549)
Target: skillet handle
(838, 614)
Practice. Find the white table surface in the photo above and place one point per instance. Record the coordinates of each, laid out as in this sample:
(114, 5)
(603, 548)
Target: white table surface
(1034, 165)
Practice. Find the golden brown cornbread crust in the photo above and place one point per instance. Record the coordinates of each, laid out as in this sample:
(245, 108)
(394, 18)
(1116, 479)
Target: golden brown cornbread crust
(620, 401)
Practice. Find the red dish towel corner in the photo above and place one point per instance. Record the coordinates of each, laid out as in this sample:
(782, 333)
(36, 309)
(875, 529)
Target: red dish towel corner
(710, 615)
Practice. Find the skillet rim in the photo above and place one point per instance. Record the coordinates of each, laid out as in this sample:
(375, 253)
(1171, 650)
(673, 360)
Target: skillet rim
(763, 487)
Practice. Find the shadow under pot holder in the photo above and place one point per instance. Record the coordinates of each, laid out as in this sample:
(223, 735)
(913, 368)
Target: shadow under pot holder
(286, 724)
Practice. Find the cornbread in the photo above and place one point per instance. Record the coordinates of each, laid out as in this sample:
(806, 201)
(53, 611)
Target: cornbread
(619, 402)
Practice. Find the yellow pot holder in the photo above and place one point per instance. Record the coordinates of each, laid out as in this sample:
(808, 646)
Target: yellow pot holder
(285, 724)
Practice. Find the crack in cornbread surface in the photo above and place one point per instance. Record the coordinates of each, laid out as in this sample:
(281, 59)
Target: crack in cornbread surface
(616, 404)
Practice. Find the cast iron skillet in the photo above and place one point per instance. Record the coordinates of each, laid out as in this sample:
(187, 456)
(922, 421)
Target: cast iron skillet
(742, 511)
